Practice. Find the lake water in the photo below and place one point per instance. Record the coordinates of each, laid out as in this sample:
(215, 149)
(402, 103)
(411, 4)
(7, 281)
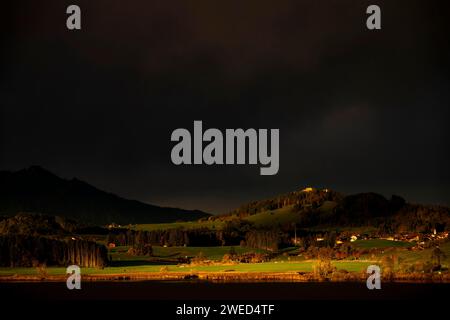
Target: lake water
(199, 290)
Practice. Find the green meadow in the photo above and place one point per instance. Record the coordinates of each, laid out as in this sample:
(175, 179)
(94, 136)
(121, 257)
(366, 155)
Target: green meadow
(283, 266)
(210, 253)
(165, 259)
(124, 263)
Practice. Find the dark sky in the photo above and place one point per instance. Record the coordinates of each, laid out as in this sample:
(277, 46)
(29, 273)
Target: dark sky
(357, 110)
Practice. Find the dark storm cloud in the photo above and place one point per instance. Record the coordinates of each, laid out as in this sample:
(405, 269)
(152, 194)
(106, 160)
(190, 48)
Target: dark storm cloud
(357, 110)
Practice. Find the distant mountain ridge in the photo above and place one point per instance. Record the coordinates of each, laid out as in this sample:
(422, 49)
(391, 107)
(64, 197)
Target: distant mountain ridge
(36, 189)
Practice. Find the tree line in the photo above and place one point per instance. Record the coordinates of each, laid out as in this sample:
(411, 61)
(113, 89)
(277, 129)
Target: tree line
(33, 251)
(201, 237)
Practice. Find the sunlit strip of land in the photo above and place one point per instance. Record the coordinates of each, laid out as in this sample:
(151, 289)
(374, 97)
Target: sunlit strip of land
(162, 264)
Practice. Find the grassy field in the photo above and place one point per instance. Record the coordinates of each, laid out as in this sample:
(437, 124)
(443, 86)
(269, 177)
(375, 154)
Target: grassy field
(274, 217)
(211, 253)
(266, 218)
(212, 225)
(413, 256)
(125, 263)
(407, 256)
(302, 266)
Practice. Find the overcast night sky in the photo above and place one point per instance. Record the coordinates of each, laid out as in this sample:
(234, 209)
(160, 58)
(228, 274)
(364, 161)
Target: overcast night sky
(357, 110)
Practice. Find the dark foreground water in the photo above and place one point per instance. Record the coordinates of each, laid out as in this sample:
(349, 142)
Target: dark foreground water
(190, 291)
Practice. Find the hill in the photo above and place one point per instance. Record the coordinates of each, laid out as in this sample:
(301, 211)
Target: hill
(325, 209)
(38, 190)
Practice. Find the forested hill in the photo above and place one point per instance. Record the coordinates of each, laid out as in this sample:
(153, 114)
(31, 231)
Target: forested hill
(311, 207)
(38, 190)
